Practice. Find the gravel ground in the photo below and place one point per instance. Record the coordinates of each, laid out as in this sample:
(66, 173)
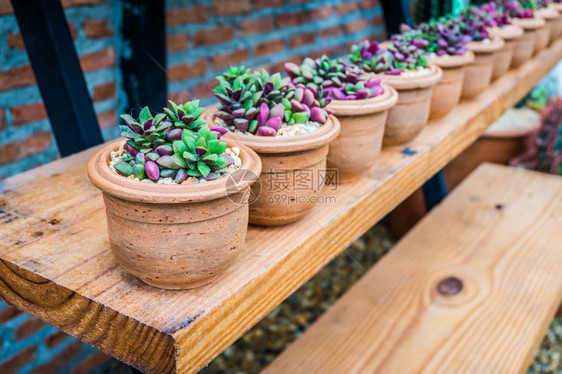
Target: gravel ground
(259, 346)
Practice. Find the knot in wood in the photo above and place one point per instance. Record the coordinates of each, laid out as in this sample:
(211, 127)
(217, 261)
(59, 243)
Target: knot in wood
(449, 286)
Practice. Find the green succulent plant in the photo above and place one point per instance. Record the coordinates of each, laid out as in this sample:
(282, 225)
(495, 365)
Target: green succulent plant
(186, 116)
(145, 133)
(198, 153)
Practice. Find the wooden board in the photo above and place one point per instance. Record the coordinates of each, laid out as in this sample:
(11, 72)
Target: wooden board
(55, 261)
(499, 234)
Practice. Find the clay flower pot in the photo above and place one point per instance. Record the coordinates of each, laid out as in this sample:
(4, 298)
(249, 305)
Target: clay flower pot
(553, 23)
(447, 93)
(175, 236)
(525, 46)
(360, 141)
(288, 162)
(478, 75)
(502, 59)
(410, 114)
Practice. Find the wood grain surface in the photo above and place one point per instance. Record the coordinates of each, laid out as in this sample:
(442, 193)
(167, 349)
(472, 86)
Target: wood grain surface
(499, 234)
(56, 262)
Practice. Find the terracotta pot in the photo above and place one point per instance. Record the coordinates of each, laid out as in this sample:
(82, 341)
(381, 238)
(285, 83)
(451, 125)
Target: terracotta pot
(446, 94)
(287, 161)
(410, 114)
(360, 141)
(478, 75)
(525, 46)
(553, 22)
(502, 59)
(175, 236)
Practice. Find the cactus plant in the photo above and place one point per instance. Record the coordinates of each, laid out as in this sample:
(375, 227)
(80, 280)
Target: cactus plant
(546, 153)
(498, 16)
(404, 53)
(145, 133)
(473, 23)
(438, 37)
(260, 103)
(180, 148)
(341, 81)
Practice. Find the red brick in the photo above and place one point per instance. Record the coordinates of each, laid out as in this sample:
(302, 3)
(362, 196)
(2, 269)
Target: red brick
(27, 113)
(55, 339)
(15, 41)
(177, 42)
(8, 312)
(9, 152)
(98, 60)
(16, 77)
(230, 58)
(35, 143)
(219, 34)
(73, 3)
(59, 361)
(204, 89)
(231, 7)
(28, 328)
(95, 29)
(369, 4)
(354, 26)
(279, 66)
(18, 360)
(180, 16)
(103, 92)
(377, 20)
(302, 39)
(290, 19)
(2, 127)
(107, 119)
(299, 1)
(5, 7)
(331, 31)
(184, 71)
(255, 26)
(91, 363)
(268, 47)
(347, 7)
(328, 51)
(260, 4)
(322, 12)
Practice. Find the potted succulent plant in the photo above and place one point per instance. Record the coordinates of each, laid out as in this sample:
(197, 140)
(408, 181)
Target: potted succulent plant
(445, 47)
(404, 66)
(176, 208)
(359, 102)
(524, 18)
(498, 24)
(289, 127)
(552, 17)
(478, 74)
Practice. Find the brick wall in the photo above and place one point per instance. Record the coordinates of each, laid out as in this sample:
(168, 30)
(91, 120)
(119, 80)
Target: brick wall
(203, 38)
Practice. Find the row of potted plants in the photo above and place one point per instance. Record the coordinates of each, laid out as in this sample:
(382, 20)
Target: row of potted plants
(183, 184)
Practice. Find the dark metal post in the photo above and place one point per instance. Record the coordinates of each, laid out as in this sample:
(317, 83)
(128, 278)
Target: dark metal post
(435, 190)
(143, 59)
(55, 63)
(395, 13)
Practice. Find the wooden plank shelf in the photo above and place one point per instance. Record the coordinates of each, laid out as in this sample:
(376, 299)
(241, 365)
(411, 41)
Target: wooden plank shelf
(55, 261)
(474, 287)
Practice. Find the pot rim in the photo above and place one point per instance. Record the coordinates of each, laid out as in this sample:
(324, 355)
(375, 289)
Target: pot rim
(494, 45)
(452, 61)
(530, 23)
(116, 185)
(284, 144)
(347, 108)
(509, 32)
(548, 13)
(413, 82)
